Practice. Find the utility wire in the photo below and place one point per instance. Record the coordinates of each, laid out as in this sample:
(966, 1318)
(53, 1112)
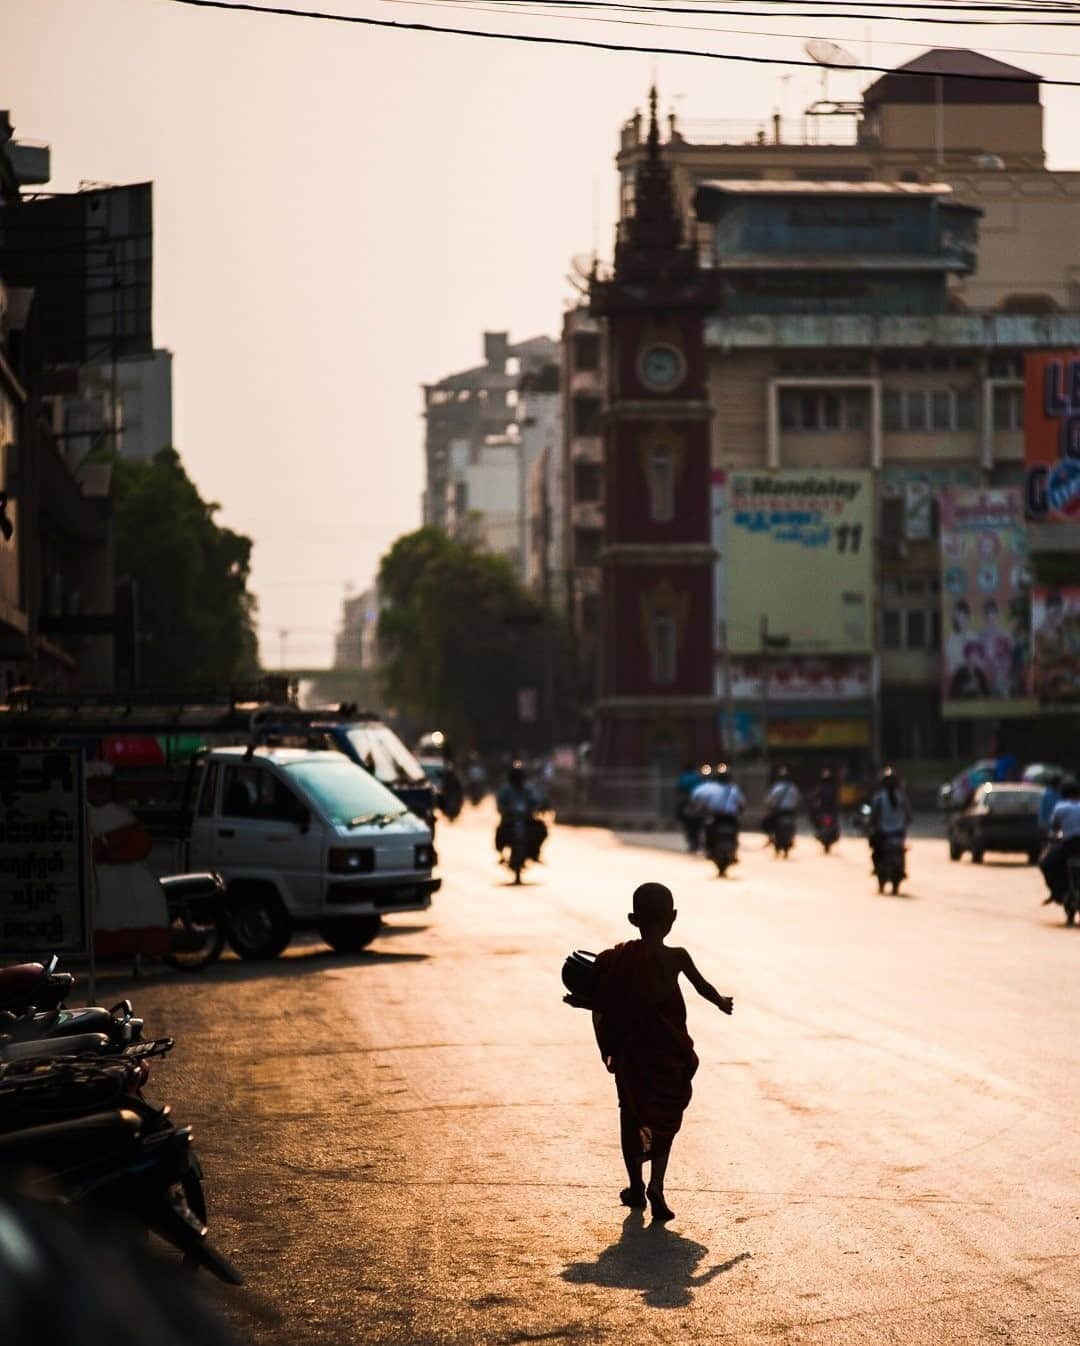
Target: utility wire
(596, 9)
(280, 11)
(493, 8)
(823, 5)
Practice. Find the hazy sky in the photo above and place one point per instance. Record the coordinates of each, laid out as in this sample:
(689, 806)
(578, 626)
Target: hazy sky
(339, 212)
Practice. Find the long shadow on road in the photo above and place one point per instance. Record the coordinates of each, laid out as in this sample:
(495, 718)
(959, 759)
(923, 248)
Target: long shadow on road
(654, 1260)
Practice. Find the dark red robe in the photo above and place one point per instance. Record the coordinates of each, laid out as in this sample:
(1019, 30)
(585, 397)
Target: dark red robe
(641, 1032)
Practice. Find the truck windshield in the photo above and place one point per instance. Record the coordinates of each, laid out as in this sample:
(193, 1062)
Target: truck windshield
(384, 754)
(343, 791)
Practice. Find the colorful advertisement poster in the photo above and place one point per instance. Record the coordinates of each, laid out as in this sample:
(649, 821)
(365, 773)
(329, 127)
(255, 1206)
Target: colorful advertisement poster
(985, 600)
(1052, 436)
(800, 561)
(1055, 646)
(43, 853)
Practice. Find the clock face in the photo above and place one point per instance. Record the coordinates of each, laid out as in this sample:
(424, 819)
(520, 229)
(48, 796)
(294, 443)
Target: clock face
(661, 367)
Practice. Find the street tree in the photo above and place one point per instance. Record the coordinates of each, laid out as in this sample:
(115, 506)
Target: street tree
(461, 638)
(195, 612)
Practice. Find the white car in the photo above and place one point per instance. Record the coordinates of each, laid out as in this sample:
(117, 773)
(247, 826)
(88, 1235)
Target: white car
(306, 839)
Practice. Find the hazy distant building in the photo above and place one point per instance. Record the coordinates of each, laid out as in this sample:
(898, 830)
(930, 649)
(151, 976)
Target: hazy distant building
(356, 643)
(467, 411)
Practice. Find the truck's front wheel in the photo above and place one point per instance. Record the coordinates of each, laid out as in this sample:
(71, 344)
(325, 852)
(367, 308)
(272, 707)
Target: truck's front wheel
(259, 926)
(350, 934)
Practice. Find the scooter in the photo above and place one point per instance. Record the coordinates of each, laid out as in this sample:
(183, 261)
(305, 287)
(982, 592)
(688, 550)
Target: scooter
(29, 986)
(827, 830)
(722, 843)
(196, 905)
(118, 1025)
(131, 1163)
(782, 833)
(889, 865)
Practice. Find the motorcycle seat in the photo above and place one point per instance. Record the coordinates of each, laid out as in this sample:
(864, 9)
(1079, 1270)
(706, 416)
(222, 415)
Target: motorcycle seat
(184, 887)
(41, 1048)
(60, 1145)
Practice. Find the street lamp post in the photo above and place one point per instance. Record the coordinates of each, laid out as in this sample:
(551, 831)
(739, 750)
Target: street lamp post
(768, 643)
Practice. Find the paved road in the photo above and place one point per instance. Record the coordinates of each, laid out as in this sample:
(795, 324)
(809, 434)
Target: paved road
(419, 1145)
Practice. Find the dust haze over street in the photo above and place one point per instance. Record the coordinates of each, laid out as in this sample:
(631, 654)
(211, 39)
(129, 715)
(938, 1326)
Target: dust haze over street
(420, 1144)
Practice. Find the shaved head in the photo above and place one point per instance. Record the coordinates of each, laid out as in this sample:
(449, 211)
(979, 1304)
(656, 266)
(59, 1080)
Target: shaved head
(653, 904)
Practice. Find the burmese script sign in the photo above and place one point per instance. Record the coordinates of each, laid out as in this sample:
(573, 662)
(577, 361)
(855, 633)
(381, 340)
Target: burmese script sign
(1052, 436)
(800, 555)
(44, 884)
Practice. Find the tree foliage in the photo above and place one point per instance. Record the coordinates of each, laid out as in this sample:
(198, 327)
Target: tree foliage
(196, 615)
(461, 635)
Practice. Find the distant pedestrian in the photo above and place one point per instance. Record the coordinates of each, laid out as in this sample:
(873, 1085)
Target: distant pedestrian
(640, 1022)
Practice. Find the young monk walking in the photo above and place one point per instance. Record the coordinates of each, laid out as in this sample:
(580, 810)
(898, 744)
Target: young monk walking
(640, 1020)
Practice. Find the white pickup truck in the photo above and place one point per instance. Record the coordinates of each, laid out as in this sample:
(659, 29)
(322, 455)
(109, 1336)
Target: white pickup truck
(306, 839)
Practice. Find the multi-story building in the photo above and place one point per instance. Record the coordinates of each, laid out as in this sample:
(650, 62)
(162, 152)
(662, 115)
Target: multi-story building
(356, 645)
(465, 412)
(854, 343)
(947, 116)
(540, 423)
(583, 398)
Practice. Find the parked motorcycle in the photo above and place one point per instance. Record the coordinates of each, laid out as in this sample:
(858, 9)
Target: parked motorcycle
(722, 843)
(782, 833)
(118, 1025)
(889, 867)
(827, 830)
(196, 905)
(129, 1163)
(34, 986)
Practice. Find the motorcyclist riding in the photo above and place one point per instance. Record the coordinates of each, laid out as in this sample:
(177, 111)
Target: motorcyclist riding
(719, 801)
(825, 796)
(1064, 840)
(890, 813)
(515, 799)
(688, 817)
(782, 800)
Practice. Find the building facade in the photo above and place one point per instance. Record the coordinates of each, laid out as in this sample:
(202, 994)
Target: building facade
(862, 326)
(463, 412)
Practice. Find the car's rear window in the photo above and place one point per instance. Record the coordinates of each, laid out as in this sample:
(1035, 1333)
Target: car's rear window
(1000, 800)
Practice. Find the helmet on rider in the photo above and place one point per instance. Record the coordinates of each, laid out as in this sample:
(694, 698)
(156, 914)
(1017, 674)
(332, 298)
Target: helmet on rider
(722, 773)
(782, 773)
(516, 774)
(826, 774)
(705, 770)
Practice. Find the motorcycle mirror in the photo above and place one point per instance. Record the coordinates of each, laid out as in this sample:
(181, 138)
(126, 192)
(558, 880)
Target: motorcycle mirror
(50, 966)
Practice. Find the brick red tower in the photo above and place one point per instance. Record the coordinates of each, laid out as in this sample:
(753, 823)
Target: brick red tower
(656, 698)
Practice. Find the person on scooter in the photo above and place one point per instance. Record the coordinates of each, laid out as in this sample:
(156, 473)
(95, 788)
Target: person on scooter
(516, 798)
(1064, 840)
(783, 798)
(890, 813)
(685, 786)
(826, 799)
(719, 801)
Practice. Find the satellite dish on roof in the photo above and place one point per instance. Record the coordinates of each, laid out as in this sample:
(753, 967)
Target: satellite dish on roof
(827, 53)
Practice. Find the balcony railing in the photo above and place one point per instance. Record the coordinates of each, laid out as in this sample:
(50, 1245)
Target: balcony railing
(840, 130)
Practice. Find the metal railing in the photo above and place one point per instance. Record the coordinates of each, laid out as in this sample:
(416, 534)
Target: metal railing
(825, 131)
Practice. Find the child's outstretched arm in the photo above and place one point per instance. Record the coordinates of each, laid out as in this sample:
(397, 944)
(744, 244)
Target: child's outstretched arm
(704, 989)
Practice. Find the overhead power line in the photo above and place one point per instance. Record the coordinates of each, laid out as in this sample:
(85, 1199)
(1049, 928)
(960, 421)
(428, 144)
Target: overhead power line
(527, 7)
(536, 39)
(824, 6)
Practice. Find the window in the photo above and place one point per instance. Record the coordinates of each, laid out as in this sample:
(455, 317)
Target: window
(586, 411)
(921, 409)
(935, 628)
(586, 348)
(661, 485)
(587, 546)
(208, 795)
(916, 629)
(588, 483)
(1008, 408)
(254, 792)
(822, 409)
(890, 629)
(663, 646)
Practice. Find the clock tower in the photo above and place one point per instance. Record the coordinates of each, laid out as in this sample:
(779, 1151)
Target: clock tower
(656, 701)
